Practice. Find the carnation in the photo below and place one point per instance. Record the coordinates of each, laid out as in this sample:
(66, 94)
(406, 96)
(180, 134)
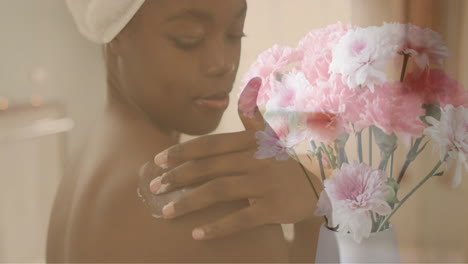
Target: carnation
(351, 196)
(434, 86)
(393, 111)
(267, 66)
(425, 47)
(451, 137)
(361, 55)
(316, 50)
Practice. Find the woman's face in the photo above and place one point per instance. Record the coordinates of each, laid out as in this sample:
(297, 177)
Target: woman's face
(178, 56)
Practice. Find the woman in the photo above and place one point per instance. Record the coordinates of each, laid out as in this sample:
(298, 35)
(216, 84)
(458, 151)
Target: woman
(169, 71)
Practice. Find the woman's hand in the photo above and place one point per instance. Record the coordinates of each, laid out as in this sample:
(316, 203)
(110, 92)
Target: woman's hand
(224, 167)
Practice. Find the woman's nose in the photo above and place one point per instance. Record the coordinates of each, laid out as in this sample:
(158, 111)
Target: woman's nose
(218, 60)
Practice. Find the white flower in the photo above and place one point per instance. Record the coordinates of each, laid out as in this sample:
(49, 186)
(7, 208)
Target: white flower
(362, 53)
(451, 137)
(284, 92)
(351, 196)
(425, 47)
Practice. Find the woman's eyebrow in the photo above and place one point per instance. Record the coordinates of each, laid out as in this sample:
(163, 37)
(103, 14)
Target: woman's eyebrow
(200, 15)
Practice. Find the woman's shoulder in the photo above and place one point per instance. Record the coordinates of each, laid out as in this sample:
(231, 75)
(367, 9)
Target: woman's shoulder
(112, 159)
(99, 185)
(117, 148)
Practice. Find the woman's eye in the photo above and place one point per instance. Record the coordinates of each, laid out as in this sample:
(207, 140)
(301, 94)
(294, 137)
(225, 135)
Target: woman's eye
(186, 43)
(236, 36)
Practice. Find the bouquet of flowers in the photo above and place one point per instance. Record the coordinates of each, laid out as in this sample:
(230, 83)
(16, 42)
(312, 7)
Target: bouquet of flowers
(336, 84)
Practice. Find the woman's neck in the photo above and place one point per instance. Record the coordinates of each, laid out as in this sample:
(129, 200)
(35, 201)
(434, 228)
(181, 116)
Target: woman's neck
(132, 117)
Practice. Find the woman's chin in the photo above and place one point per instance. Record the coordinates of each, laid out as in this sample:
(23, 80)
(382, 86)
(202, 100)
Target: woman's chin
(204, 126)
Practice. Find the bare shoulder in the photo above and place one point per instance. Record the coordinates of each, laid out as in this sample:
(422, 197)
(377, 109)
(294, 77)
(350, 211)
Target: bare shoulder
(97, 189)
(105, 215)
(108, 222)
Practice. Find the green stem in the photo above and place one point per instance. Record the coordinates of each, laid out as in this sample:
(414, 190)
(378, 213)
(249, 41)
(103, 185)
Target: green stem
(384, 161)
(403, 70)
(342, 157)
(370, 146)
(391, 165)
(374, 222)
(322, 171)
(319, 158)
(409, 195)
(359, 145)
(306, 174)
(329, 156)
(409, 158)
(308, 179)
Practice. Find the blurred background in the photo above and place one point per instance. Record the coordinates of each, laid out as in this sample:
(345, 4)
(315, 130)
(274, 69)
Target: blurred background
(52, 85)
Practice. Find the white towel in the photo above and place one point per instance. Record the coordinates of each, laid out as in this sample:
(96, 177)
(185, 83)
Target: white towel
(101, 20)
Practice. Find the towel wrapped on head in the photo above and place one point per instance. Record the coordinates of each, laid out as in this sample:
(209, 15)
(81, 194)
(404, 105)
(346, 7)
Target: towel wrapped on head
(102, 20)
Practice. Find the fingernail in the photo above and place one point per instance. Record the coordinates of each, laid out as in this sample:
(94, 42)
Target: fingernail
(168, 210)
(155, 184)
(162, 188)
(161, 160)
(198, 234)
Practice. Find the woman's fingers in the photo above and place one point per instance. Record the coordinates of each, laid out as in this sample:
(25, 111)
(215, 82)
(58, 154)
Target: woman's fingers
(219, 190)
(247, 108)
(205, 146)
(241, 220)
(202, 170)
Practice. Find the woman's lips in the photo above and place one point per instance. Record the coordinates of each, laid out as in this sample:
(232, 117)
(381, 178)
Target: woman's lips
(219, 103)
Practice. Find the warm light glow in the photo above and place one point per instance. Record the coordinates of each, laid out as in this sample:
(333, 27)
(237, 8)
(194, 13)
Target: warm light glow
(36, 100)
(39, 75)
(3, 103)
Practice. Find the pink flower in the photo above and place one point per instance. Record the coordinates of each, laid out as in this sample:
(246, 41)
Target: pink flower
(322, 126)
(361, 56)
(286, 127)
(248, 97)
(425, 47)
(389, 109)
(323, 39)
(434, 86)
(283, 93)
(270, 145)
(327, 108)
(351, 196)
(320, 110)
(268, 65)
(334, 96)
(316, 50)
(451, 137)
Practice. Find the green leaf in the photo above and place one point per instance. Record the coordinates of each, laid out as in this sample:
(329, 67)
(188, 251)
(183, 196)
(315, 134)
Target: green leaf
(386, 143)
(341, 140)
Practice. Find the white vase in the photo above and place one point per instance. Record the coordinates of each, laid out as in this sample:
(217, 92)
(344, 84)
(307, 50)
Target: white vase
(336, 247)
